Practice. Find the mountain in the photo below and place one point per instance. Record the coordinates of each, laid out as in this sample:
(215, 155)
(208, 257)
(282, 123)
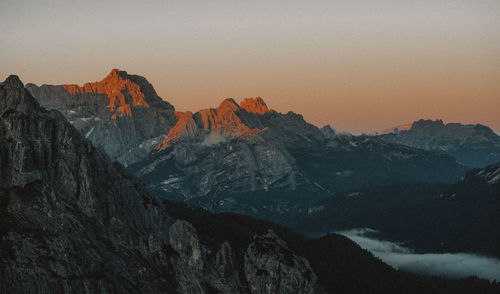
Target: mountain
(72, 221)
(122, 114)
(241, 157)
(472, 145)
(340, 264)
(266, 163)
(462, 217)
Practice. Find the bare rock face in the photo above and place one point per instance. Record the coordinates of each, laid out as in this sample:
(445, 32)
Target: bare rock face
(226, 149)
(122, 114)
(290, 273)
(71, 221)
(197, 270)
(255, 105)
(328, 131)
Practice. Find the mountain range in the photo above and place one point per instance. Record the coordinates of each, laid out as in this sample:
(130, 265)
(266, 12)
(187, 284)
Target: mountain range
(74, 221)
(240, 157)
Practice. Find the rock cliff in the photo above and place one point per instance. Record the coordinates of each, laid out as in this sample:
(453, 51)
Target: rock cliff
(122, 114)
(74, 222)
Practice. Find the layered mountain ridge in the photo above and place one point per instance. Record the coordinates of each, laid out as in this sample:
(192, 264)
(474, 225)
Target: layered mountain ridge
(222, 121)
(472, 145)
(74, 222)
(242, 157)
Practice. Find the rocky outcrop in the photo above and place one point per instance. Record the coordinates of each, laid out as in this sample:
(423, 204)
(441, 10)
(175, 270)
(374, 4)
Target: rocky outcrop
(254, 105)
(328, 131)
(71, 221)
(290, 274)
(491, 174)
(122, 114)
(472, 145)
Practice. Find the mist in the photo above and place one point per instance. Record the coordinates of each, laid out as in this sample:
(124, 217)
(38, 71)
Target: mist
(450, 265)
(213, 139)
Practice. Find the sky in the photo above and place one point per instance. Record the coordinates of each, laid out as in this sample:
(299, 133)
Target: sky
(361, 66)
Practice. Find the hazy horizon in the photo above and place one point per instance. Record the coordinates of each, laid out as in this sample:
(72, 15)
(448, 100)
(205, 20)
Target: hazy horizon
(359, 66)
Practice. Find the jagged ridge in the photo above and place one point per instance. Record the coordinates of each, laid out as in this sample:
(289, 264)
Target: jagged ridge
(71, 221)
(122, 114)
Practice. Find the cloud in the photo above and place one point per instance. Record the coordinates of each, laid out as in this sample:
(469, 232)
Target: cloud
(451, 265)
(213, 139)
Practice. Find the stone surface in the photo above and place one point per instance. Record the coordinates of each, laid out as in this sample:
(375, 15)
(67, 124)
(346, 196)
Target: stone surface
(270, 267)
(71, 221)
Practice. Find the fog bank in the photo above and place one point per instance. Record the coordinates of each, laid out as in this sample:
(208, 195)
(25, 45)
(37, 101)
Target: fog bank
(452, 265)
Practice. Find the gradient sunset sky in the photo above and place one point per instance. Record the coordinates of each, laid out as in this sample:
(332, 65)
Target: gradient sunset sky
(360, 66)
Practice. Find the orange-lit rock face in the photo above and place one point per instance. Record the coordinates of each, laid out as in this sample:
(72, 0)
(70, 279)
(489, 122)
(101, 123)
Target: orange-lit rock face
(185, 127)
(255, 105)
(117, 90)
(223, 120)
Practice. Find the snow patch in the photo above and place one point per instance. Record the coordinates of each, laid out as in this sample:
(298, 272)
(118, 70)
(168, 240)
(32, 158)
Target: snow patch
(89, 132)
(171, 180)
(344, 173)
(315, 209)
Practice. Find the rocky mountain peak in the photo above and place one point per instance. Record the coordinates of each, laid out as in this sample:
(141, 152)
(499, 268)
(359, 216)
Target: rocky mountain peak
(228, 104)
(13, 81)
(427, 124)
(15, 96)
(328, 131)
(121, 114)
(121, 91)
(255, 105)
(184, 128)
(115, 72)
(223, 121)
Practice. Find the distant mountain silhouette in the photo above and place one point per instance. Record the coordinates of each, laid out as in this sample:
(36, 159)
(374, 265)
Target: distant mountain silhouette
(472, 145)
